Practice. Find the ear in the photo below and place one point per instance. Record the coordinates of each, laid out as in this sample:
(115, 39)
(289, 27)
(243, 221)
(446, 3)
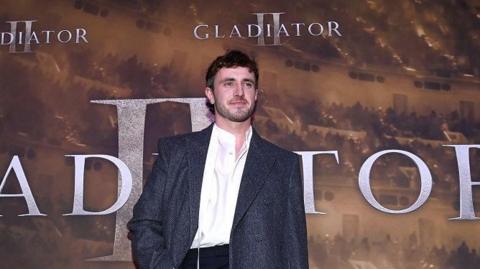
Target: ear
(256, 94)
(209, 95)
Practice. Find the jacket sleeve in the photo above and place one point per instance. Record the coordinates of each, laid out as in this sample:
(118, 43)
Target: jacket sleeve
(296, 227)
(146, 227)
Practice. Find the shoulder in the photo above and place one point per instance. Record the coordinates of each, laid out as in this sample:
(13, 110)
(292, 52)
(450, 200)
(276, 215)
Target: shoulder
(281, 154)
(176, 139)
(183, 141)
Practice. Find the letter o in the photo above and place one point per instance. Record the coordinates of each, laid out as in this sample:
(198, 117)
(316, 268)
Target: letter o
(425, 179)
(59, 36)
(310, 29)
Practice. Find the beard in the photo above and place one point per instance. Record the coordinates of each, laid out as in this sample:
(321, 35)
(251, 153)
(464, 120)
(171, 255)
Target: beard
(237, 114)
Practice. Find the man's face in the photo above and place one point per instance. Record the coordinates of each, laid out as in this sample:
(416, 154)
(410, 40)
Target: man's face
(234, 95)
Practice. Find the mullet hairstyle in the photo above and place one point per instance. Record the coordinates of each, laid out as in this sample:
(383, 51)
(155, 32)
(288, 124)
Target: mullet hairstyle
(232, 58)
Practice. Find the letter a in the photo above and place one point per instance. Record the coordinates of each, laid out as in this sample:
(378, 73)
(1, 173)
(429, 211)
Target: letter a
(26, 192)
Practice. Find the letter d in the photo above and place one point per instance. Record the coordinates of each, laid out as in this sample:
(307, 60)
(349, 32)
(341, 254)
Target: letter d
(124, 189)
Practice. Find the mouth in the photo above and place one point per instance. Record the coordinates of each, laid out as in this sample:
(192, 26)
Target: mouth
(238, 102)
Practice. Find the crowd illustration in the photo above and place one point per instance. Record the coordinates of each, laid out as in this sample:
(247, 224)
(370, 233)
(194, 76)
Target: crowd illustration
(338, 252)
(52, 109)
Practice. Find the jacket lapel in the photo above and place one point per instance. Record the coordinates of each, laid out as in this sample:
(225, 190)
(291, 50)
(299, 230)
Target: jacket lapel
(257, 167)
(197, 156)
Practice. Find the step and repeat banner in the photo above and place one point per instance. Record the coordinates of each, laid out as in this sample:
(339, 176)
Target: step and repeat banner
(380, 99)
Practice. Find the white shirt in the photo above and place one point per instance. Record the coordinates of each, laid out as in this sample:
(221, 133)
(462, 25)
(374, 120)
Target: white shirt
(221, 182)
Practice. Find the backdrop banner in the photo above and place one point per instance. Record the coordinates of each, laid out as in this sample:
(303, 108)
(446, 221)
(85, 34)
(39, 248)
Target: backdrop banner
(380, 99)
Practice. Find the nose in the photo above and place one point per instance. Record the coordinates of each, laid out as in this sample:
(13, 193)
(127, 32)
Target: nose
(239, 90)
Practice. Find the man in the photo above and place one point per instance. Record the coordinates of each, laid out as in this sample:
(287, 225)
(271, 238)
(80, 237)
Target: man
(222, 197)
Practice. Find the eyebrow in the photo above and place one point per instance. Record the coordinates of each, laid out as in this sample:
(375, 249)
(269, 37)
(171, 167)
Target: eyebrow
(227, 79)
(243, 80)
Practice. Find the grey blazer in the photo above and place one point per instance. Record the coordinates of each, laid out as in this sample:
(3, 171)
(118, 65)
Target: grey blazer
(269, 228)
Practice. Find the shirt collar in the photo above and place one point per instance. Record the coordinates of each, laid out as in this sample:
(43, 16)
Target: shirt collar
(225, 137)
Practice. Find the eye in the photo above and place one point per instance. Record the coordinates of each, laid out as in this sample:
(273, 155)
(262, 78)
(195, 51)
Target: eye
(249, 84)
(228, 83)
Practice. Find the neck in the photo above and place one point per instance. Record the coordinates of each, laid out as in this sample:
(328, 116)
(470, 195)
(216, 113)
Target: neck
(238, 129)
